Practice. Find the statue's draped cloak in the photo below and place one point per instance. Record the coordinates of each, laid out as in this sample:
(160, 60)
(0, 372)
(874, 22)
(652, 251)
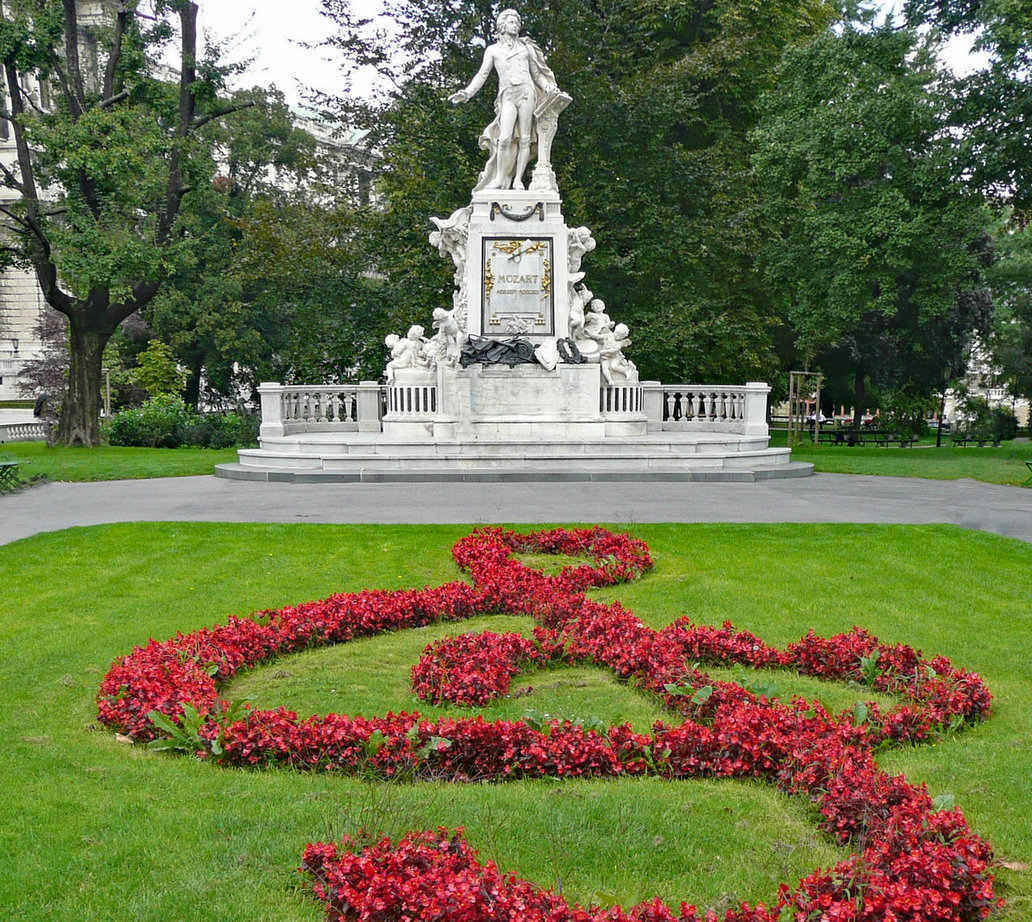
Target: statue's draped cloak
(489, 137)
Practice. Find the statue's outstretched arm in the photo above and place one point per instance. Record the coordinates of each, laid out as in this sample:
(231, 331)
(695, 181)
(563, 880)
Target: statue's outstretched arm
(476, 83)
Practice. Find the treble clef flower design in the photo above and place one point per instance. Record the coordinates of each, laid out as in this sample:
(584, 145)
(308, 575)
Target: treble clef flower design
(913, 859)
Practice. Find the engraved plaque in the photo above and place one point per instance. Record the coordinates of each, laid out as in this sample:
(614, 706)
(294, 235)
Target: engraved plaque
(517, 290)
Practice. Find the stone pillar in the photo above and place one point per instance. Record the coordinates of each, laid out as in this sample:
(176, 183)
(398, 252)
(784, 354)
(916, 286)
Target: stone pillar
(271, 393)
(652, 392)
(369, 405)
(756, 393)
(501, 216)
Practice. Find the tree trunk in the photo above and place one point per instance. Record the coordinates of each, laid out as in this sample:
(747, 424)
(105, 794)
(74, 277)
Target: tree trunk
(859, 397)
(942, 409)
(79, 423)
(193, 382)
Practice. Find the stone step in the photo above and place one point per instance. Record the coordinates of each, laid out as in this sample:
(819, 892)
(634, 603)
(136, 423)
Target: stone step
(481, 475)
(534, 459)
(610, 448)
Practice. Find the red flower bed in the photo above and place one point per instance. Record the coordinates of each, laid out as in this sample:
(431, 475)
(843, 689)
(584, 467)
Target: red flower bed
(914, 864)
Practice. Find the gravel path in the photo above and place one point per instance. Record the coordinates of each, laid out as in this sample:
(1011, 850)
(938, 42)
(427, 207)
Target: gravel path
(821, 498)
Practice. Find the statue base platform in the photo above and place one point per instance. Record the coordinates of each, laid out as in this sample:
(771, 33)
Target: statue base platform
(497, 424)
(361, 458)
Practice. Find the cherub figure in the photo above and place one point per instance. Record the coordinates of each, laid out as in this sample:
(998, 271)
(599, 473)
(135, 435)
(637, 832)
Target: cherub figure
(409, 352)
(597, 322)
(578, 299)
(448, 339)
(615, 365)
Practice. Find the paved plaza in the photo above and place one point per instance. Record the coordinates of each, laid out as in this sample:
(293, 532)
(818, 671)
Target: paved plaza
(821, 498)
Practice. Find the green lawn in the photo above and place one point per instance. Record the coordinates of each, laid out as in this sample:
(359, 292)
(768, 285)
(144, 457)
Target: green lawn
(1005, 464)
(108, 463)
(97, 830)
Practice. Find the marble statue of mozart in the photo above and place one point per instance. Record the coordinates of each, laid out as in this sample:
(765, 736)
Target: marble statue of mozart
(525, 85)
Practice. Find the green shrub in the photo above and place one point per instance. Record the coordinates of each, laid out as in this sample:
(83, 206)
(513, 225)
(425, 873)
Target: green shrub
(1004, 423)
(157, 372)
(167, 422)
(159, 423)
(986, 422)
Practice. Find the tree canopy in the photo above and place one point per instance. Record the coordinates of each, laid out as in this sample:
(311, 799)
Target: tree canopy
(653, 155)
(103, 171)
(876, 243)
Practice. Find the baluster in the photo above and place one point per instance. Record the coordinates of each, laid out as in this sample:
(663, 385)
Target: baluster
(668, 406)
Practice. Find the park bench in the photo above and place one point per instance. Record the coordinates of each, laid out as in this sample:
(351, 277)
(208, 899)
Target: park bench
(832, 436)
(980, 440)
(864, 436)
(8, 475)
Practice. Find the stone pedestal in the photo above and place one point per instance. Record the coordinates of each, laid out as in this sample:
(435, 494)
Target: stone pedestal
(525, 403)
(495, 403)
(516, 265)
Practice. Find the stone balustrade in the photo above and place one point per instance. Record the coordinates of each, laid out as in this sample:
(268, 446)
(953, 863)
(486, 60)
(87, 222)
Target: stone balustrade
(410, 401)
(717, 408)
(25, 432)
(619, 400)
(741, 410)
(294, 409)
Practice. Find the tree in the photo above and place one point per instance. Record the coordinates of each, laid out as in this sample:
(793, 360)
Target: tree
(157, 372)
(103, 173)
(228, 310)
(994, 104)
(1010, 279)
(653, 155)
(877, 244)
(45, 377)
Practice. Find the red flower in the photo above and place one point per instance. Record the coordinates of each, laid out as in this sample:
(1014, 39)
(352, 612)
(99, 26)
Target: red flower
(916, 864)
